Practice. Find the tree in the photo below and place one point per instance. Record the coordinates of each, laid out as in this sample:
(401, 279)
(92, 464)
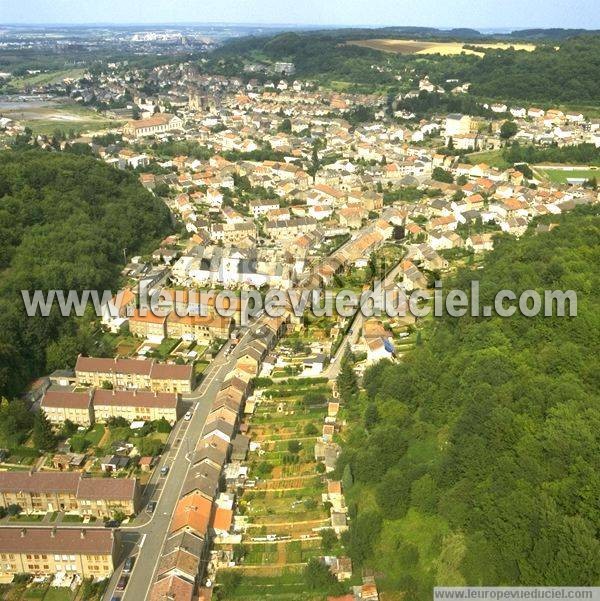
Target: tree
(15, 422)
(371, 416)
(13, 509)
(317, 577)
(508, 129)
(347, 478)
(149, 446)
(162, 426)
(441, 175)
(362, 536)
(346, 381)
(424, 494)
(68, 428)
(285, 126)
(310, 429)
(79, 443)
(328, 539)
(43, 436)
(294, 446)
(117, 422)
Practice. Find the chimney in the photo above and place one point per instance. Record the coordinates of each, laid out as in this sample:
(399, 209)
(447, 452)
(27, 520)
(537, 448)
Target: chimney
(23, 531)
(53, 532)
(82, 533)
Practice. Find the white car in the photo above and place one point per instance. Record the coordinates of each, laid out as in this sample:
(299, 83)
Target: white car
(188, 416)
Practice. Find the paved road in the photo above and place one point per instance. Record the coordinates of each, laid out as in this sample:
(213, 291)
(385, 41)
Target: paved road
(147, 534)
(333, 369)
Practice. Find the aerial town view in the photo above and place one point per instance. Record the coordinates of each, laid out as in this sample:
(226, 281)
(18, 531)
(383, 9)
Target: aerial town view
(298, 300)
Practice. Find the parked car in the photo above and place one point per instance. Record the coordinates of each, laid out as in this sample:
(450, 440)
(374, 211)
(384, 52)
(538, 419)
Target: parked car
(128, 565)
(188, 416)
(122, 583)
(164, 470)
(151, 506)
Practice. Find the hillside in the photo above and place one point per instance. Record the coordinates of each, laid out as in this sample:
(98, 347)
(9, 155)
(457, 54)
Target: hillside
(476, 459)
(64, 222)
(560, 69)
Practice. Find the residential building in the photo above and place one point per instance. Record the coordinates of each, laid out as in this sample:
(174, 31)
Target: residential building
(136, 405)
(89, 553)
(62, 404)
(42, 492)
(133, 373)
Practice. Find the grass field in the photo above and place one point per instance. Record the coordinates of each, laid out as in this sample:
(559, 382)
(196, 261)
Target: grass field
(493, 158)
(40, 79)
(66, 117)
(560, 176)
(429, 47)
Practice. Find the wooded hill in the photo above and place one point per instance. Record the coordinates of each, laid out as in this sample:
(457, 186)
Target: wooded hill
(476, 459)
(65, 221)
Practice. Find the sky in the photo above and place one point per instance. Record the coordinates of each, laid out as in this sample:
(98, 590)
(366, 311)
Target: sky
(478, 14)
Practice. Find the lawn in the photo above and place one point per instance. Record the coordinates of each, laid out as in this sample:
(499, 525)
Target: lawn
(72, 519)
(163, 350)
(58, 594)
(493, 158)
(24, 517)
(94, 436)
(560, 176)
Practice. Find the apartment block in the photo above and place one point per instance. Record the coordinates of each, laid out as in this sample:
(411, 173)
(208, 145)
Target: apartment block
(90, 553)
(70, 492)
(133, 373)
(60, 405)
(136, 405)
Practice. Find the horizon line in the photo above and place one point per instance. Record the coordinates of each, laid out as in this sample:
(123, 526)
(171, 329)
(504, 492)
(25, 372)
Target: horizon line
(279, 25)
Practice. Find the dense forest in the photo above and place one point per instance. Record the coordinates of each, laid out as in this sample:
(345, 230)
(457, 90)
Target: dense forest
(568, 72)
(477, 457)
(65, 221)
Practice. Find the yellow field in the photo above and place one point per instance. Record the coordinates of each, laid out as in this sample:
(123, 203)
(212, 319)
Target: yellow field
(425, 47)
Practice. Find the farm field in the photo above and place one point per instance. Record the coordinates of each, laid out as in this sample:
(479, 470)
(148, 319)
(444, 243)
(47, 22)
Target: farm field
(429, 47)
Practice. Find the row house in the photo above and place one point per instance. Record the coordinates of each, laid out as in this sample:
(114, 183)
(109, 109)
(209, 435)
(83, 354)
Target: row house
(135, 405)
(87, 553)
(290, 228)
(42, 492)
(75, 406)
(201, 328)
(133, 373)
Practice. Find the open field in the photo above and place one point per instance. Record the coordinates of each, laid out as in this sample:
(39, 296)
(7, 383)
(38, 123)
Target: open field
(46, 117)
(493, 158)
(40, 79)
(561, 175)
(428, 47)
